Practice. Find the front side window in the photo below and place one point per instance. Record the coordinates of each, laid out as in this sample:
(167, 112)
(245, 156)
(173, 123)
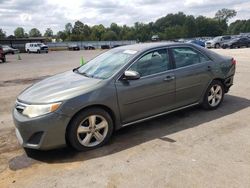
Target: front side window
(185, 56)
(152, 63)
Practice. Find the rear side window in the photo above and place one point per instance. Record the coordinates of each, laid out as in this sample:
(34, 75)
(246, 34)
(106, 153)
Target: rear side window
(153, 62)
(226, 37)
(185, 56)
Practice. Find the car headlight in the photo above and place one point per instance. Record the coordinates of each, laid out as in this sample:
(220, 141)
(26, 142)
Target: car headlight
(38, 110)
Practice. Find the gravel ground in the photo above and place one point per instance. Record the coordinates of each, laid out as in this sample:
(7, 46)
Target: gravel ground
(190, 148)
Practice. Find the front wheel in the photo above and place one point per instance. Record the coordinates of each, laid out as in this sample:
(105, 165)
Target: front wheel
(214, 95)
(90, 129)
(4, 59)
(217, 45)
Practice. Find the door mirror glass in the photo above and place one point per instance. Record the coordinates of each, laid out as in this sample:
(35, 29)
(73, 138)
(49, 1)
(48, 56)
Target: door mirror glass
(131, 75)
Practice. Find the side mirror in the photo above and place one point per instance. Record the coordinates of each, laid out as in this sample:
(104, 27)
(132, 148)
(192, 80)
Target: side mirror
(131, 75)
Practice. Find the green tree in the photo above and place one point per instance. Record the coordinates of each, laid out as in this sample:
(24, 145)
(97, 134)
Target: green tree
(115, 28)
(2, 34)
(26, 35)
(225, 14)
(61, 35)
(98, 31)
(78, 28)
(34, 32)
(68, 28)
(110, 35)
(19, 32)
(239, 26)
(48, 32)
(190, 28)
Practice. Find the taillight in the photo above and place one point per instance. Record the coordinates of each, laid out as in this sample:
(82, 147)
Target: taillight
(233, 61)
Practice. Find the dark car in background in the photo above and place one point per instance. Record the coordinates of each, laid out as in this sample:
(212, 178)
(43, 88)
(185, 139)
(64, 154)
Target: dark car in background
(125, 85)
(2, 55)
(9, 50)
(74, 47)
(237, 43)
(89, 47)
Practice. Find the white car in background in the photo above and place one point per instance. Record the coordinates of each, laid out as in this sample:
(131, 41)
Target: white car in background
(36, 47)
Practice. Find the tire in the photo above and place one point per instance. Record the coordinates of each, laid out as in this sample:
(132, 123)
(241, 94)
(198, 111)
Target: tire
(4, 59)
(212, 101)
(217, 45)
(28, 51)
(38, 51)
(82, 131)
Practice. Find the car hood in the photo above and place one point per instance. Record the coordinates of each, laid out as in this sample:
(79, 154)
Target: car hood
(209, 41)
(58, 88)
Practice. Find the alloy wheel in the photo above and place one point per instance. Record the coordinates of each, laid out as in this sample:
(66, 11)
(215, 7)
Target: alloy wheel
(215, 95)
(92, 130)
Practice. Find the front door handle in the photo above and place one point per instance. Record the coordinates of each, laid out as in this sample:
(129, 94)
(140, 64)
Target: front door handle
(169, 78)
(209, 68)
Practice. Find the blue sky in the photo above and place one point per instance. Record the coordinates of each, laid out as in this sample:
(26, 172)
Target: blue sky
(56, 13)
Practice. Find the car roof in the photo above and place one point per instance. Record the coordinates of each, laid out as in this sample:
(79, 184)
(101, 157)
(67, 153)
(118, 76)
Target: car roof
(150, 45)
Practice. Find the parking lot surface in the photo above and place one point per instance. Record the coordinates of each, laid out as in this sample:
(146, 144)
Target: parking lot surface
(189, 148)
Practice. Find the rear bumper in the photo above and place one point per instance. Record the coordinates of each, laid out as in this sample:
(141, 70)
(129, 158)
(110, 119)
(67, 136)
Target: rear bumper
(43, 133)
(228, 83)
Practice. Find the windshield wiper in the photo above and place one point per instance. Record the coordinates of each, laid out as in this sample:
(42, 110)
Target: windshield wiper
(81, 73)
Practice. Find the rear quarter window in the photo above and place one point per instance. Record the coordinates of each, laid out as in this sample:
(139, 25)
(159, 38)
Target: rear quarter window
(186, 56)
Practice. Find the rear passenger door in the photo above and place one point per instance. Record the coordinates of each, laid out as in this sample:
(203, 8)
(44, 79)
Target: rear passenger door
(192, 72)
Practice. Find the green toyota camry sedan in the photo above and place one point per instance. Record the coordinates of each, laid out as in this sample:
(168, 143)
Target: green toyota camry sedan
(125, 85)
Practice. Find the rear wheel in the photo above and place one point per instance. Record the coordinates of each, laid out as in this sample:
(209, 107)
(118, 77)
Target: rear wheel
(90, 129)
(28, 51)
(38, 51)
(214, 95)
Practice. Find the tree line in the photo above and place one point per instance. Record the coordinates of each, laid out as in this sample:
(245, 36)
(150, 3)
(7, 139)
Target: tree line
(172, 26)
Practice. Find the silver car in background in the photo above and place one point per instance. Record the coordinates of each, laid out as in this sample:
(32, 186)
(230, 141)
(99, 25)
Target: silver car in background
(217, 41)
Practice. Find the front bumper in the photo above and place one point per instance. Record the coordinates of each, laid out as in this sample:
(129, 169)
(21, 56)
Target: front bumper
(43, 133)
(209, 45)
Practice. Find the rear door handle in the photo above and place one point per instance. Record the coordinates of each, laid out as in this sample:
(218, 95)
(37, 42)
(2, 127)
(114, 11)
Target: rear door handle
(169, 78)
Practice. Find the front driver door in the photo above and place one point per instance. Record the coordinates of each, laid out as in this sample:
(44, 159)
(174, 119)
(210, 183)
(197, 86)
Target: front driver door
(153, 93)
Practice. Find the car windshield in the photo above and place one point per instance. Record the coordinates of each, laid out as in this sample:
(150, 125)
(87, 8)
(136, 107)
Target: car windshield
(216, 38)
(106, 64)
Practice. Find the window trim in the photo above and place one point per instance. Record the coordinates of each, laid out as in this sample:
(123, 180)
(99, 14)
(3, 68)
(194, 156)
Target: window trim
(169, 49)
